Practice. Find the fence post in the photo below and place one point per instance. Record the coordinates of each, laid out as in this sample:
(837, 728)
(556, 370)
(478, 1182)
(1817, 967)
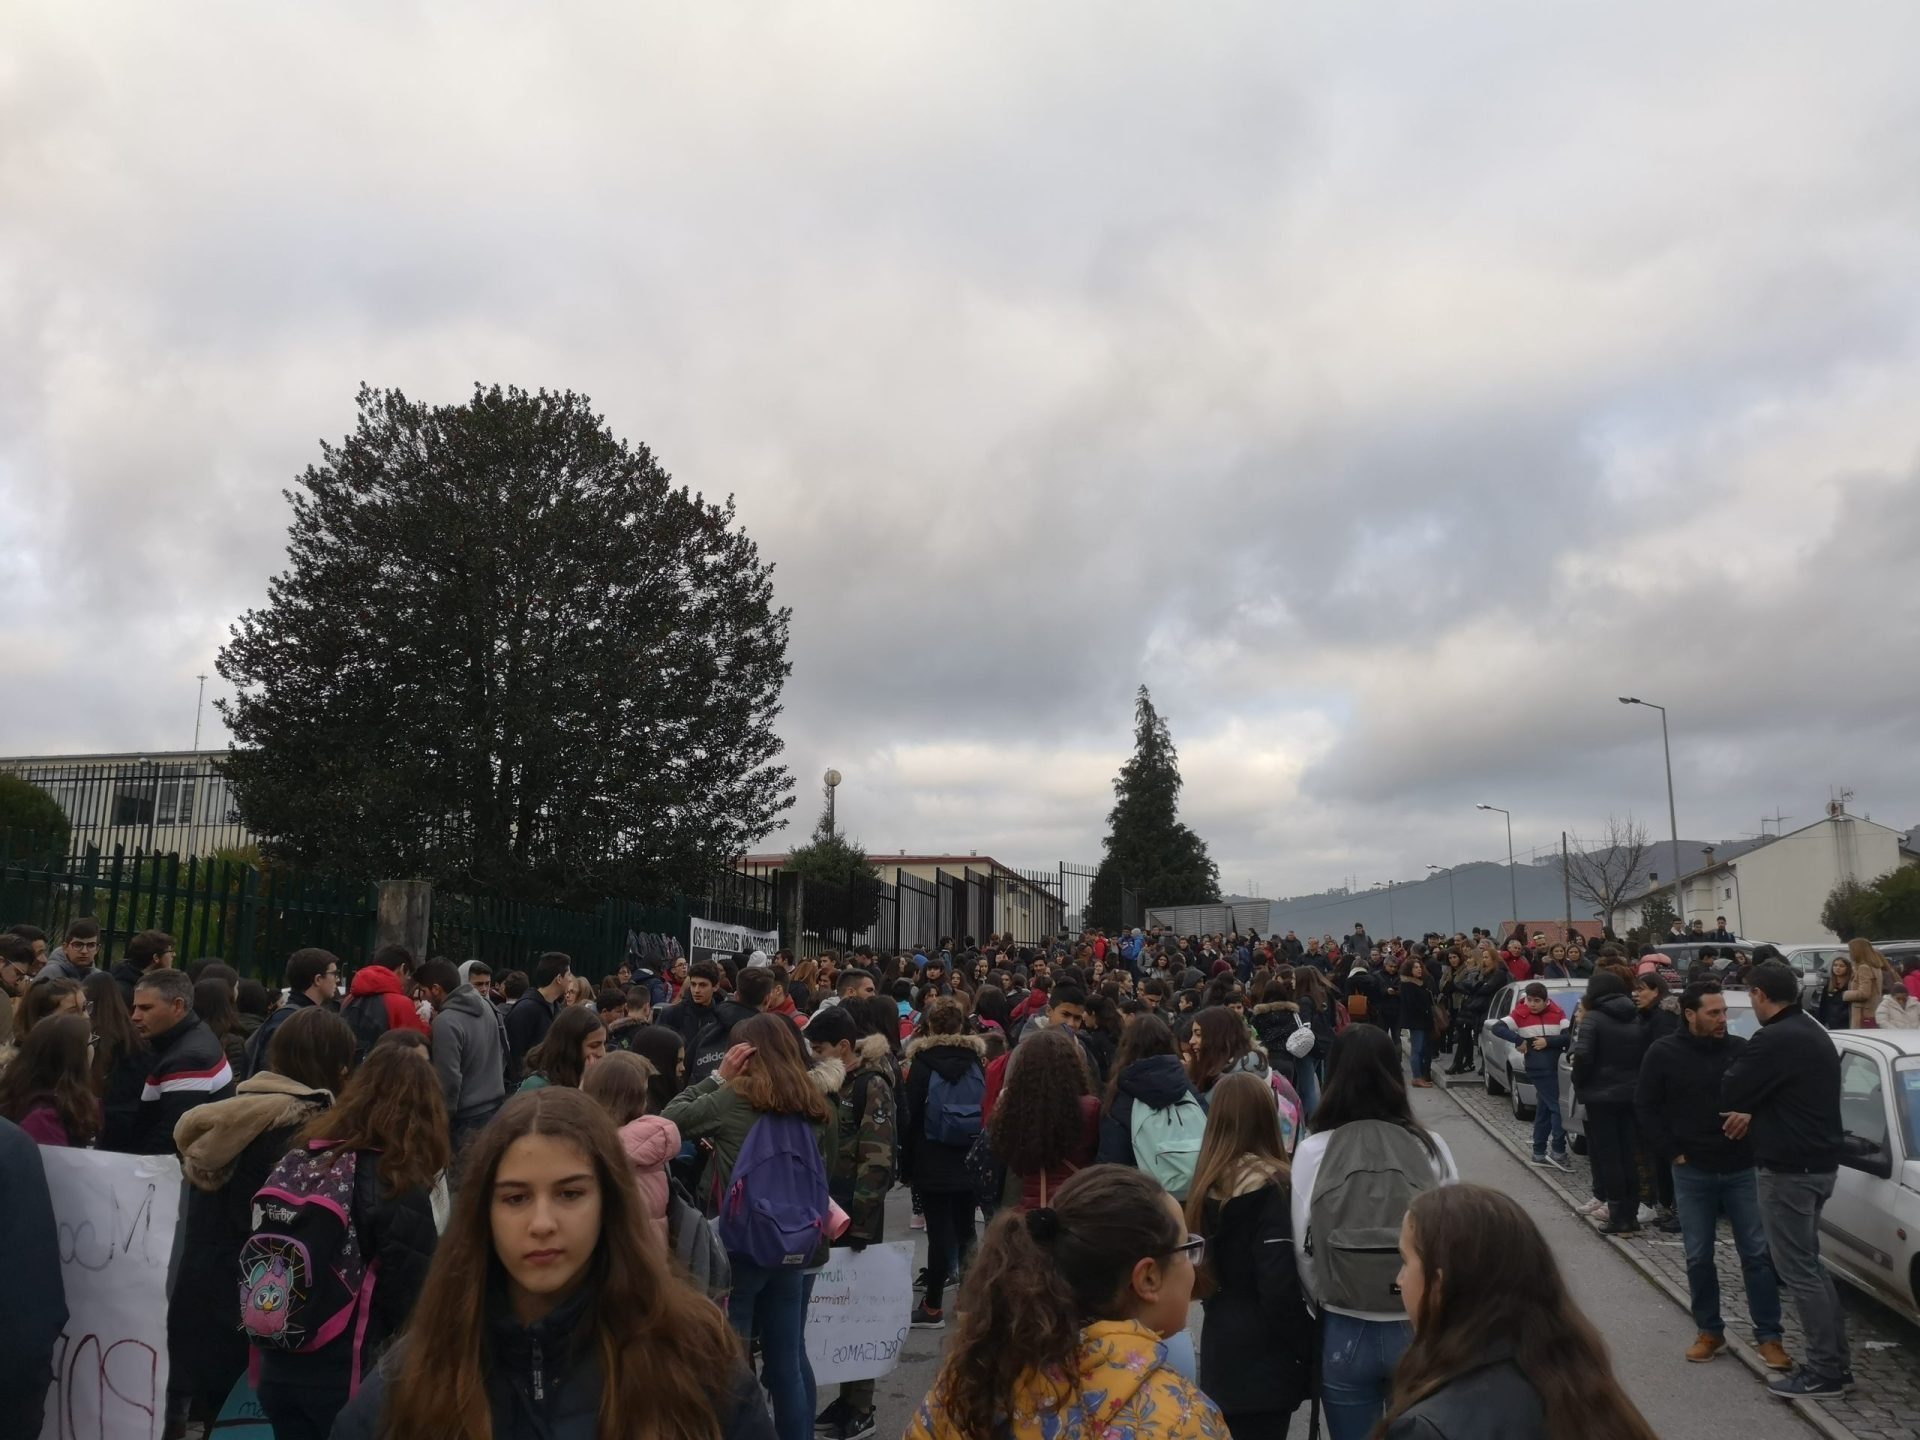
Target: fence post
(403, 915)
(791, 909)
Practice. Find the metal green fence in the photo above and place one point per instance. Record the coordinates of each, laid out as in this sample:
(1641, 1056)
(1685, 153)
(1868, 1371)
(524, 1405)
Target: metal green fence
(251, 917)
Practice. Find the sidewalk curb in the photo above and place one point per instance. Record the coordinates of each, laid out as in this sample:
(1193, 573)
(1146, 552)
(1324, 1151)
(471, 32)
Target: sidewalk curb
(1807, 1410)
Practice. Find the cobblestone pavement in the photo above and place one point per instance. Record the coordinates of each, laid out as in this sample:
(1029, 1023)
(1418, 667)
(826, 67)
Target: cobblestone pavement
(1886, 1349)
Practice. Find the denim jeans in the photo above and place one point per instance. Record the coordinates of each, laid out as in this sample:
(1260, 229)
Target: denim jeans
(1306, 1080)
(1547, 1124)
(1790, 1207)
(775, 1301)
(1422, 1053)
(1701, 1197)
(1357, 1358)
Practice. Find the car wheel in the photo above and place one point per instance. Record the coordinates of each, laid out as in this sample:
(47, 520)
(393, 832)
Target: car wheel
(1521, 1110)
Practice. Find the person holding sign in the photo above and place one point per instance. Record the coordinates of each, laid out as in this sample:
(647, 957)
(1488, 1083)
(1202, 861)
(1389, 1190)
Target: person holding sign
(544, 1272)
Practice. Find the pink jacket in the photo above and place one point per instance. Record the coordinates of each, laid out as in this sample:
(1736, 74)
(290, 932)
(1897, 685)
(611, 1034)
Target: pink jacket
(651, 1143)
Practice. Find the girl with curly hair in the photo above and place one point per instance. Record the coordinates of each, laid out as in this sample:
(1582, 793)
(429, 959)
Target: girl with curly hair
(1065, 1318)
(1046, 1121)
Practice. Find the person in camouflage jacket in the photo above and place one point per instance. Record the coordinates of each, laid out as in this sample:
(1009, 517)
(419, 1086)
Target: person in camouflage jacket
(862, 1170)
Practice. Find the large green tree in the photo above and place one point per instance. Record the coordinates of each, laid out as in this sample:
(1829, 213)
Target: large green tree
(1887, 908)
(842, 889)
(508, 653)
(1148, 851)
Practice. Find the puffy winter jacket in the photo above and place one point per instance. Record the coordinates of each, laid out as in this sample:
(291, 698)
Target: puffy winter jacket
(1522, 1027)
(1157, 1081)
(377, 985)
(1607, 1052)
(934, 1166)
(187, 1067)
(1273, 1022)
(651, 1143)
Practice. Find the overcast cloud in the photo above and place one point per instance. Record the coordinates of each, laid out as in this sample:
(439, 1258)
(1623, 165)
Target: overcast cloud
(1389, 387)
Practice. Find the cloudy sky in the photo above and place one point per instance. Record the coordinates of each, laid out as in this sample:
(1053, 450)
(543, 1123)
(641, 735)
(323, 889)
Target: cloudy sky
(1388, 386)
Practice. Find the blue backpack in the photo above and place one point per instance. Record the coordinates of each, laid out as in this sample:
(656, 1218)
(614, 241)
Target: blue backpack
(953, 1106)
(775, 1209)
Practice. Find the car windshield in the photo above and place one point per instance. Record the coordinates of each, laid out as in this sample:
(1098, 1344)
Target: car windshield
(1906, 1079)
(1742, 1021)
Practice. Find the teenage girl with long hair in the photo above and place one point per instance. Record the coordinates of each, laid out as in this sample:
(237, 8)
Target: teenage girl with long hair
(765, 1073)
(1046, 1121)
(576, 1042)
(47, 1089)
(1499, 1348)
(1258, 1361)
(1366, 1095)
(1064, 1321)
(393, 1122)
(547, 1312)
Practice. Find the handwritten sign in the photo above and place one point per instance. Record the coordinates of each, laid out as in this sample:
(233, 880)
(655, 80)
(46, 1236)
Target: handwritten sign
(116, 1215)
(857, 1319)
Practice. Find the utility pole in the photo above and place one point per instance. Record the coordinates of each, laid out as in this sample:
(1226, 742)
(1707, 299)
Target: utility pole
(199, 702)
(1566, 878)
(1673, 821)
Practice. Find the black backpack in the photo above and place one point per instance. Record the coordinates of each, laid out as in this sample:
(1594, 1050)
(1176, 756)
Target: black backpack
(367, 1015)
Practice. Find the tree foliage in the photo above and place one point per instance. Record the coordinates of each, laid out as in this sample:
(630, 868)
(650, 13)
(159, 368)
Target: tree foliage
(33, 816)
(842, 889)
(1656, 915)
(1147, 849)
(1884, 909)
(509, 654)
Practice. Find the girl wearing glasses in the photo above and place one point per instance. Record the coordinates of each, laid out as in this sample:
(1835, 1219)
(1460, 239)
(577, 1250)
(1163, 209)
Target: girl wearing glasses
(1064, 1320)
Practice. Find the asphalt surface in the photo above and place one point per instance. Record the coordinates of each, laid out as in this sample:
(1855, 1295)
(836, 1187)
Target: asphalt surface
(1646, 1332)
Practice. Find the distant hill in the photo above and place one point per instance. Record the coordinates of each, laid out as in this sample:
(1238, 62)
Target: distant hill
(1480, 897)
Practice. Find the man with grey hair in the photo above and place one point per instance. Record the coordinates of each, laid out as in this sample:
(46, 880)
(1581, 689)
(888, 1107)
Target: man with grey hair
(187, 1065)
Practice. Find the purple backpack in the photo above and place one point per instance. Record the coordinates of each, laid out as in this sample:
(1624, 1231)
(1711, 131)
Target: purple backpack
(303, 1279)
(775, 1209)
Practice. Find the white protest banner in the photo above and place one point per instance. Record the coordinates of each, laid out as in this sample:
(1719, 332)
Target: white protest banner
(117, 1215)
(857, 1319)
(711, 939)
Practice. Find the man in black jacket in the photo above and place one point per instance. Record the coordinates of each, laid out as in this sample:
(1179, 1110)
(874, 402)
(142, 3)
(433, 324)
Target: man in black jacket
(532, 1014)
(1677, 1101)
(188, 1066)
(313, 978)
(1784, 1090)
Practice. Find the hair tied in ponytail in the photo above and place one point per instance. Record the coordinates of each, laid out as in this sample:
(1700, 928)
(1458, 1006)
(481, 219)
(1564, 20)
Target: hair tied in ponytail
(1043, 1224)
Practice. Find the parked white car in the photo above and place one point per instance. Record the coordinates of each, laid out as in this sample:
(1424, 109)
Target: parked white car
(1502, 1068)
(1870, 1230)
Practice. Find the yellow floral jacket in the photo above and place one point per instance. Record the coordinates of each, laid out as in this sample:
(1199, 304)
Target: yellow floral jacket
(1127, 1392)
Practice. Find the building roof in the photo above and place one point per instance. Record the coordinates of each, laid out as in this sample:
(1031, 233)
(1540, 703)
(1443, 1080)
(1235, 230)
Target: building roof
(979, 862)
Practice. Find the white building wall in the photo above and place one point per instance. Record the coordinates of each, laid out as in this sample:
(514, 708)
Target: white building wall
(1780, 888)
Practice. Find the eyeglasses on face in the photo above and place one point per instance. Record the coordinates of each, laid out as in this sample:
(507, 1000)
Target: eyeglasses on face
(1193, 1249)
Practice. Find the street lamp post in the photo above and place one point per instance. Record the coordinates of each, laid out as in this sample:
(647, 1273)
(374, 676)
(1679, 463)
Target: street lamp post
(832, 777)
(1453, 914)
(1513, 888)
(1673, 822)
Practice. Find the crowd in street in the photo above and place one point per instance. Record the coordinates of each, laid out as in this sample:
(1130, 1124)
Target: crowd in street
(546, 1173)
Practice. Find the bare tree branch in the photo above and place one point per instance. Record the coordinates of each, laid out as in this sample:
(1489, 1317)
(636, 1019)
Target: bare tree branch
(1604, 874)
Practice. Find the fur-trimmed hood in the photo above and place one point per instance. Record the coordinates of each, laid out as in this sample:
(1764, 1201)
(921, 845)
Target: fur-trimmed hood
(1277, 1007)
(926, 1043)
(211, 1137)
(828, 1075)
(871, 1052)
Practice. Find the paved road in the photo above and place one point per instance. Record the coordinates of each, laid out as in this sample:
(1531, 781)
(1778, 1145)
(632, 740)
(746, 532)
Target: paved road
(1646, 1331)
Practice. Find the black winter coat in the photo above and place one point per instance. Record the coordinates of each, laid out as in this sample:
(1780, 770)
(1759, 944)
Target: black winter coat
(1494, 1402)
(1607, 1052)
(1788, 1079)
(397, 1233)
(1416, 1006)
(542, 1386)
(181, 1065)
(207, 1351)
(933, 1166)
(1272, 1024)
(1260, 1335)
(1678, 1104)
(1158, 1081)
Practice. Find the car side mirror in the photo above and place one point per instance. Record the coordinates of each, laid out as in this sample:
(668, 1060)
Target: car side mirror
(1857, 1152)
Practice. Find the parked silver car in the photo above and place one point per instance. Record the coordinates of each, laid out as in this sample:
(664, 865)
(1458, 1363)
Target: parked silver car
(1502, 1068)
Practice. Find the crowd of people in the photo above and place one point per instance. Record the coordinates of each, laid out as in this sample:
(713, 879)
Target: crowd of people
(548, 1175)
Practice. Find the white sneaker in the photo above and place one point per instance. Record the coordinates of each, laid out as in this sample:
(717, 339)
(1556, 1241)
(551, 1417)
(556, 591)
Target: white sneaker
(1594, 1207)
(1648, 1215)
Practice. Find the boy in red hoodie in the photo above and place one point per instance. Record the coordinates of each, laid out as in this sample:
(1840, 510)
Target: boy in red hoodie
(378, 1003)
(1538, 1027)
